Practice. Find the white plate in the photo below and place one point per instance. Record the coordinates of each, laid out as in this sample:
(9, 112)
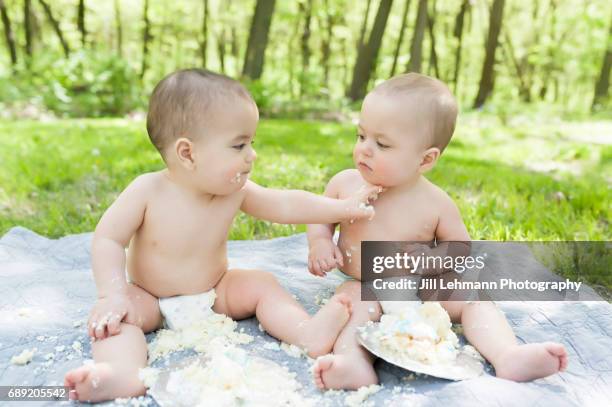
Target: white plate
(466, 366)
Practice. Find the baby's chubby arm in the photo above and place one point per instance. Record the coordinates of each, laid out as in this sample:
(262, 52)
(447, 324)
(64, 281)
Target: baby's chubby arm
(297, 207)
(112, 235)
(451, 235)
(323, 254)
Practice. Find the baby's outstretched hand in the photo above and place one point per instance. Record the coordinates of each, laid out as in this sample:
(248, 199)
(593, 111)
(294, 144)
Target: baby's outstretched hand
(106, 316)
(358, 205)
(323, 257)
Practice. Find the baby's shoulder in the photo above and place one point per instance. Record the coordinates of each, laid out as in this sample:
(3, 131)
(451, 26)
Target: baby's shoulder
(144, 185)
(435, 194)
(344, 180)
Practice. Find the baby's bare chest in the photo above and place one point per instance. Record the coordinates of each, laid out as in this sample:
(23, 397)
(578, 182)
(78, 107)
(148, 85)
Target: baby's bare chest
(181, 226)
(399, 219)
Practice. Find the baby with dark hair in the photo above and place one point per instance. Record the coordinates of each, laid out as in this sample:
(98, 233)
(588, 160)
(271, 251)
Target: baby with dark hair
(176, 223)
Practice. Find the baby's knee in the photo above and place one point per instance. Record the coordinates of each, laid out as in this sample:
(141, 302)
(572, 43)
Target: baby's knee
(351, 288)
(454, 309)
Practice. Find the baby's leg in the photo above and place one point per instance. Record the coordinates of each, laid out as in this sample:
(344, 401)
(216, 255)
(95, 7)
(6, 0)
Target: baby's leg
(118, 358)
(487, 329)
(351, 365)
(242, 293)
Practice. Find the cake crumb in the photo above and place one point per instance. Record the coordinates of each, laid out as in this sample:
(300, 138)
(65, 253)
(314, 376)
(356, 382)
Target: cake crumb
(24, 357)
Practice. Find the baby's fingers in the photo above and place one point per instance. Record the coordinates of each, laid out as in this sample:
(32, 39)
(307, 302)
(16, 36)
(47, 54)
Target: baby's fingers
(321, 267)
(100, 331)
(370, 193)
(338, 256)
(114, 324)
(312, 268)
(91, 326)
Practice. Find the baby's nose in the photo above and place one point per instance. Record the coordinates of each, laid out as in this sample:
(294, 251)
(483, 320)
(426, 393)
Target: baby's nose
(251, 156)
(366, 150)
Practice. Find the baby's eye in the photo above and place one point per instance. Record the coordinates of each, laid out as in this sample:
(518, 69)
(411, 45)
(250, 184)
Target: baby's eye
(239, 146)
(360, 137)
(381, 145)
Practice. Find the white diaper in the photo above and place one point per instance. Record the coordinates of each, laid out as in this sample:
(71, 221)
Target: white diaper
(181, 311)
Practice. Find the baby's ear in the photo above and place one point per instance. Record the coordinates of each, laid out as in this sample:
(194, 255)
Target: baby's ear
(429, 159)
(183, 149)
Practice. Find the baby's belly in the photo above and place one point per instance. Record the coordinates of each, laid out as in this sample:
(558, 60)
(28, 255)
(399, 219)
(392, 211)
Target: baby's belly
(167, 277)
(351, 253)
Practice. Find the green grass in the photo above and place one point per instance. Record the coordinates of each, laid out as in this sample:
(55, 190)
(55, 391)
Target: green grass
(527, 179)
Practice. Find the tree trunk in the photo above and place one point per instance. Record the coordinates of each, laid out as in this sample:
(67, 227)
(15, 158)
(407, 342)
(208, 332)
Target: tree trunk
(328, 23)
(204, 43)
(487, 78)
(27, 25)
(56, 26)
(146, 38)
(305, 47)
(416, 49)
(118, 28)
(400, 39)
(603, 83)
(366, 58)
(221, 49)
(364, 26)
(458, 33)
(258, 39)
(433, 55)
(81, 22)
(235, 46)
(8, 33)
(548, 67)
(524, 89)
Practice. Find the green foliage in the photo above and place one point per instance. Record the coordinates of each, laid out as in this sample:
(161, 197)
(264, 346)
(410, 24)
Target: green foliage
(87, 84)
(549, 52)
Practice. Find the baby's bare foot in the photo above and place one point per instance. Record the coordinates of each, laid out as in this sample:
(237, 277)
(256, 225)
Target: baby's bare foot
(531, 361)
(343, 372)
(100, 381)
(321, 331)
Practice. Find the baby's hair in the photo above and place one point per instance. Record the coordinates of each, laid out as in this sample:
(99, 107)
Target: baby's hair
(182, 99)
(434, 100)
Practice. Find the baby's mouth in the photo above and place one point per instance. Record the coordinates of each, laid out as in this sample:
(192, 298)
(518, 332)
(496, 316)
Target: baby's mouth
(364, 166)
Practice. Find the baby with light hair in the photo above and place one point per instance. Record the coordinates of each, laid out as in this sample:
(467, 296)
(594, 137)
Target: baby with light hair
(404, 126)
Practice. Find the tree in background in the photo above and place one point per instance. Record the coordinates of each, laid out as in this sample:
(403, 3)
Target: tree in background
(118, 27)
(8, 33)
(549, 50)
(400, 39)
(488, 75)
(306, 10)
(56, 27)
(204, 43)
(81, 22)
(258, 39)
(27, 26)
(366, 58)
(146, 38)
(602, 86)
(416, 48)
(458, 34)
